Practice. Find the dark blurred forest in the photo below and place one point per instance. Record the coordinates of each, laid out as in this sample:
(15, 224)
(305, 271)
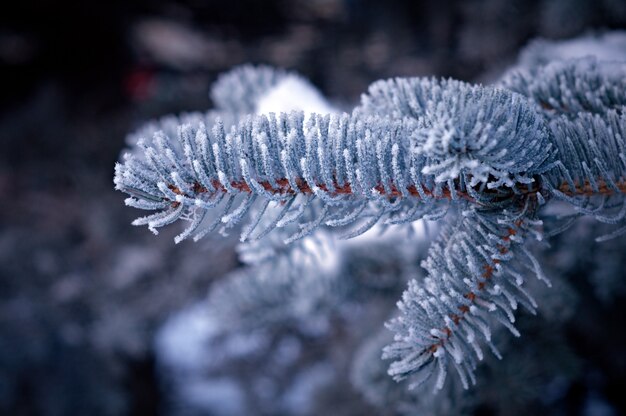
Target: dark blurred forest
(82, 293)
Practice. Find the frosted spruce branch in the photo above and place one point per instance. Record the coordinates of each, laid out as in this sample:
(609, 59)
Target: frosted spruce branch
(475, 275)
(571, 87)
(415, 148)
(359, 167)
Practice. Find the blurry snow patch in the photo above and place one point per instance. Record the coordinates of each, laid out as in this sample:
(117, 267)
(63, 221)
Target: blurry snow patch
(134, 262)
(402, 236)
(294, 93)
(610, 46)
(178, 46)
(240, 345)
(288, 351)
(320, 250)
(181, 342)
(193, 341)
(301, 397)
(217, 397)
(192, 351)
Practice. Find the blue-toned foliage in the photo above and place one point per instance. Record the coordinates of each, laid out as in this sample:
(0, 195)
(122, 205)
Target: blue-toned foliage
(571, 87)
(467, 132)
(476, 274)
(461, 143)
(487, 158)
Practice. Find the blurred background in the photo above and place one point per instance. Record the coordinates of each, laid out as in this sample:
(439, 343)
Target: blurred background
(82, 293)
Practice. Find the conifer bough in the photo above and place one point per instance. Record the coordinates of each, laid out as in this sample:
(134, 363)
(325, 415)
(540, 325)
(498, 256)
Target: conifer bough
(488, 158)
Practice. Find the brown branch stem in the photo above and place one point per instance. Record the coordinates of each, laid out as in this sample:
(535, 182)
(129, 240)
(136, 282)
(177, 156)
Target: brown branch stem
(587, 190)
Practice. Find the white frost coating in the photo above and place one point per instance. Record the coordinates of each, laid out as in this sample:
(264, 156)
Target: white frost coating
(415, 148)
(294, 93)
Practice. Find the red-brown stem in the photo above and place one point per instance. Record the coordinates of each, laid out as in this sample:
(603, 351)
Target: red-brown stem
(587, 190)
(283, 187)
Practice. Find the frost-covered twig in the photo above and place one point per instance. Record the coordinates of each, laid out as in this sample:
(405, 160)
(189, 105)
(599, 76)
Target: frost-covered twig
(415, 148)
